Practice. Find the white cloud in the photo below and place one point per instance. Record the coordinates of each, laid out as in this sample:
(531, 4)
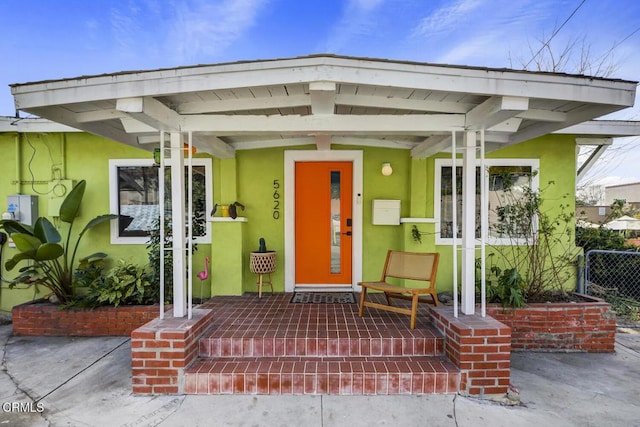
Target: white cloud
(208, 29)
(359, 18)
(448, 18)
(183, 32)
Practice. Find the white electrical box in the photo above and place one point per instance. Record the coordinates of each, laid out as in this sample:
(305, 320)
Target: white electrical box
(23, 208)
(386, 212)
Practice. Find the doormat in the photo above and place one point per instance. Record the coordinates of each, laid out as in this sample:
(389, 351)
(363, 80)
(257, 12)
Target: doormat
(323, 298)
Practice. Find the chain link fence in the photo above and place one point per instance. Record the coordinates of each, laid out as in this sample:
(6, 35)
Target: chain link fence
(615, 277)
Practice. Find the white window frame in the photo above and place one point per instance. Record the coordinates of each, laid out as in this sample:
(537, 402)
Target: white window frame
(534, 164)
(114, 164)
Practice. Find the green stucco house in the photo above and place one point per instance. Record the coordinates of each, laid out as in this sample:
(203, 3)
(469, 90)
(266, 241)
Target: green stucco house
(334, 158)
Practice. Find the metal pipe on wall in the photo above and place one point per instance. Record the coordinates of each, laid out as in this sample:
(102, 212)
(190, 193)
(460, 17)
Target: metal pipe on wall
(18, 162)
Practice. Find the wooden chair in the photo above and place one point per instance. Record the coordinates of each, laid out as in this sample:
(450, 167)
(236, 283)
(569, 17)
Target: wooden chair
(404, 265)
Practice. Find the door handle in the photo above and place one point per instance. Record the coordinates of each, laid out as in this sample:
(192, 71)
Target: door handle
(347, 233)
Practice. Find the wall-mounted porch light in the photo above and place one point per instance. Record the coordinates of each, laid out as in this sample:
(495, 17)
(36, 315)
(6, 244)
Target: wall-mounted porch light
(387, 169)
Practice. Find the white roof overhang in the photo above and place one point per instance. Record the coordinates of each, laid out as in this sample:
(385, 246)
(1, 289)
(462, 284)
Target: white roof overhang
(324, 100)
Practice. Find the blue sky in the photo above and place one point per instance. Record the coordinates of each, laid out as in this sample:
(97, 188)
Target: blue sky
(46, 39)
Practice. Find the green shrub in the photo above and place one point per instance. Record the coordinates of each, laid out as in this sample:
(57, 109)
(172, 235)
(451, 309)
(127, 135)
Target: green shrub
(125, 284)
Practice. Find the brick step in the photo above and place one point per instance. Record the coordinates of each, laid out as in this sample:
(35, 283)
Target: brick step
(425, 342)
(322, 375)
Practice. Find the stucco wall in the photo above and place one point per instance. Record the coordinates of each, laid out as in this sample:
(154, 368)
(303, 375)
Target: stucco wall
(556, 178)
(249, 179)
(42, 158)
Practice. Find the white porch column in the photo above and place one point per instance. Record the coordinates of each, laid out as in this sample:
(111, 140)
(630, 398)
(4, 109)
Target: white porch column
(467, 305)
(178, 224)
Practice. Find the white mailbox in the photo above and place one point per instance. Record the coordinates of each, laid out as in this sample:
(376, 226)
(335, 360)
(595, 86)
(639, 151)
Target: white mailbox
(386, 212)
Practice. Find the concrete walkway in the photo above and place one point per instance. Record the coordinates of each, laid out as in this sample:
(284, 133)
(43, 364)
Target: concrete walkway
(86, 382)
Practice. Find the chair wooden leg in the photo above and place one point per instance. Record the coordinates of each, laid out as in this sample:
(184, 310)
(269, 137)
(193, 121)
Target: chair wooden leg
(414, 311)
(386, 295)
(363, 296)
(434, 295)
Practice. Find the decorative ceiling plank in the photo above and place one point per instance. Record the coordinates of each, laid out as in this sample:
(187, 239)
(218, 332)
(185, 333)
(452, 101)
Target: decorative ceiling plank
(495, 110)
(375, 125)
(402, 104)
(245, 104)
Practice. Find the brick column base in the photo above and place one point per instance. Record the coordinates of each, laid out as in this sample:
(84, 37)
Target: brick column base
(479, 347)
(162, 349)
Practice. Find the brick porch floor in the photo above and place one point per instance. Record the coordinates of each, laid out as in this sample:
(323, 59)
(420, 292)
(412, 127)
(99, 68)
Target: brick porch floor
(271, 346)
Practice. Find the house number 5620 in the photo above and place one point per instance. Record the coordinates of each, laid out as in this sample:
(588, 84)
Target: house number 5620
(276, 199)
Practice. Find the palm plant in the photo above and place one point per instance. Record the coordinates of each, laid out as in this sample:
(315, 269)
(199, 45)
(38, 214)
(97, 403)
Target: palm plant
(53, 261)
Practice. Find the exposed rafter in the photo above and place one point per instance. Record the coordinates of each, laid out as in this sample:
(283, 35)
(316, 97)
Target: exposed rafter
(495, 110)
(430, 146)
(323, 97)
(203, 143)
(576, 116)
(150, 112)
(323, 142)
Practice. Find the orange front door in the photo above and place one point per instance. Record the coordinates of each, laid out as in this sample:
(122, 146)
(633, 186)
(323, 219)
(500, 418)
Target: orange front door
(323, 222)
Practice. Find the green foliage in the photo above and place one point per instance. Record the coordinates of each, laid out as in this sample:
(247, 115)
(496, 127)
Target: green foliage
(600, 238)
(416, 234)
(262, 245)
(125, 284)
(540, 249)
(153, 250)
(89, 271)
(507, 289)
(52, 263)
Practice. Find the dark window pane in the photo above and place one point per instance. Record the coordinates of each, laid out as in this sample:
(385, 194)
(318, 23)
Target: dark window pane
(138, 198)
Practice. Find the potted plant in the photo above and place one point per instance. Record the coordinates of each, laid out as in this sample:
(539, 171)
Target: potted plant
(228, 210)
(263, 262)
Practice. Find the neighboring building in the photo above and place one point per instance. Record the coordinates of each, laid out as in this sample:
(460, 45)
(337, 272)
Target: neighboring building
(629, 193)
(593, 214)
(301, 143)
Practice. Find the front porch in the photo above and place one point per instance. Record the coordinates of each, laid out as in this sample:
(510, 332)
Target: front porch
(247, 345)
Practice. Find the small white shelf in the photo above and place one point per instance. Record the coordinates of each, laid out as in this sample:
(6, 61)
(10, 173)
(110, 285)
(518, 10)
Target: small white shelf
(418, 220)
(227, 219)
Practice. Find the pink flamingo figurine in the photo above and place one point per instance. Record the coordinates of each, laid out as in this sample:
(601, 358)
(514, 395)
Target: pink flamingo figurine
(203, 275)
